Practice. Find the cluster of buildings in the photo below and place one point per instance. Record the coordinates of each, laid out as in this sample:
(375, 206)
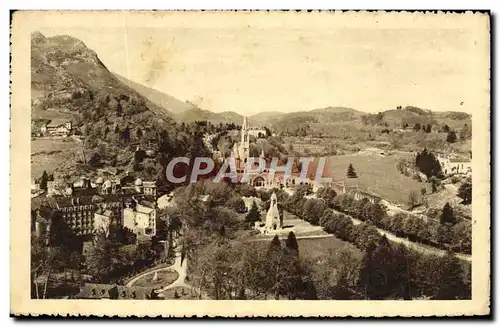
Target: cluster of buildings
(56, 127)
(452, 164)
(267, 177)
(87, 208)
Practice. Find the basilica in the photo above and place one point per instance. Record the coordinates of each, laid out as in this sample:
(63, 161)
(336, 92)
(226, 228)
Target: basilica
(268, 177)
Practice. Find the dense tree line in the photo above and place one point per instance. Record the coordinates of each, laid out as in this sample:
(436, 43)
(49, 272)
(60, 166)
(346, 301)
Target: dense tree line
(225, 270)
(394, 271)
(444, 233)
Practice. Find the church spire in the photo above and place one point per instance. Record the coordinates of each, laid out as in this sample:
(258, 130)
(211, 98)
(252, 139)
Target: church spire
(245, 123)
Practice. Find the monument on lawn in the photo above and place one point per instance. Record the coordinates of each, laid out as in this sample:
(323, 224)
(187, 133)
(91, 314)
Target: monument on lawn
(273, 221)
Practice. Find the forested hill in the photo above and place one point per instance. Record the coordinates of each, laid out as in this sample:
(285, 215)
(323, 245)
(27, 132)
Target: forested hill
(112, 120)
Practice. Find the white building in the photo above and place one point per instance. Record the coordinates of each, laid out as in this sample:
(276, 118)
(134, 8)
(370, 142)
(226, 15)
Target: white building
(273, 221)
(257, 132)
(140, 219)
(454, 165)
(57, 127)
(102, 221)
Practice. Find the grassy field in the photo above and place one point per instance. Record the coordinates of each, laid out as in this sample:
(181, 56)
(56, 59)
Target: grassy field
(54, 114)
(315, 248)
(376, 174)
(48, 154)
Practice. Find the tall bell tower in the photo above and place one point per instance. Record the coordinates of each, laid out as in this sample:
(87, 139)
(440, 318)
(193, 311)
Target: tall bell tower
(245, 142)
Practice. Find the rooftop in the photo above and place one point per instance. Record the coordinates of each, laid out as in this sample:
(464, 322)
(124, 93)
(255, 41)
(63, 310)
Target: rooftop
(107, 291)
(459, 160)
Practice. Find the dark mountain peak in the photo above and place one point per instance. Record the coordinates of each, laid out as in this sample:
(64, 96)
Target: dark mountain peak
(37, 37)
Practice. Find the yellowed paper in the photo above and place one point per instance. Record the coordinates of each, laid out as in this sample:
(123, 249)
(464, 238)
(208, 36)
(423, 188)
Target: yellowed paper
(249, 63)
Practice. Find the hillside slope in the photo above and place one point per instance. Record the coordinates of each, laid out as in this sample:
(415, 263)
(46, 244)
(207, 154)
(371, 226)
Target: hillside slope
(161, 99)
(110, 119)
(197, 114)
(67, 76)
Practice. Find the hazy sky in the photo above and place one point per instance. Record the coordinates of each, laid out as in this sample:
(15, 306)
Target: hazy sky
(251, 66)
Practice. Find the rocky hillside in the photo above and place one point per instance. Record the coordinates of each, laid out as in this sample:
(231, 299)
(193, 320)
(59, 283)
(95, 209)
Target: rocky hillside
(67, 76)
(113, 122)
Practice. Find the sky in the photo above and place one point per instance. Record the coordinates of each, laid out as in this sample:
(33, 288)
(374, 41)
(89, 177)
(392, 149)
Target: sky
(252, 65)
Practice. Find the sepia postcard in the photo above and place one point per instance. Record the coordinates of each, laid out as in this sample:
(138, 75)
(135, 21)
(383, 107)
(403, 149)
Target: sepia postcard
(250, 163)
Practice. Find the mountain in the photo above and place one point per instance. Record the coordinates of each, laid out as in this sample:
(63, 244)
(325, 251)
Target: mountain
(159, 98)
(412, 115)
(183, 111)
(264, 118)
(306, 119)
(69, 78)
(112, 120)
(197, 114)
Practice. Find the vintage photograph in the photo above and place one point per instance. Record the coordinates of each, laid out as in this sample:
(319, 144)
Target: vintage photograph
(250, 156)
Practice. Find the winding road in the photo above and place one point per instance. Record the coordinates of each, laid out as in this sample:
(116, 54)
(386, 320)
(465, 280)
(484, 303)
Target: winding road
(413, 245)
(178, 266)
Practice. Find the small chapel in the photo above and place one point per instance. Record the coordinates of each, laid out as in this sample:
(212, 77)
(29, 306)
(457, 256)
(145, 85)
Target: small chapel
(273, 219)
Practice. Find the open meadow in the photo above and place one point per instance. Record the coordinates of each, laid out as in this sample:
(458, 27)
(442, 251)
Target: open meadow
(47, 154)
(377, 174)
(317, 248)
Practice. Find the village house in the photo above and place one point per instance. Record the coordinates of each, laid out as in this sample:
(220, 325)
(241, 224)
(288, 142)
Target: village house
(139, 216)
(451, 165)
(360, 195)
(257, 132)
(57, 127)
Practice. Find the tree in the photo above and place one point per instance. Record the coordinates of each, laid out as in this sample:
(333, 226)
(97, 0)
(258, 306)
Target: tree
(428, 129)
(366, 272)
(43, 180)
(423, 191)
(465, 192)
(336, 275)
(313, 210)
(465, 133)
(374, 212)
(446, 129)
(434, 183)
(417, 127)
(253, 215)
(351, 173)
(451, 137)
(413, 199)
(95, 160)
(43, 259)
(102, 258)
(380, 273)
(139, 133)
(451, 285)
(119, 109)
(125, 135)
(428, 164)
(291, 244)
(447, 215)
(139, 156)
(328, 194)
